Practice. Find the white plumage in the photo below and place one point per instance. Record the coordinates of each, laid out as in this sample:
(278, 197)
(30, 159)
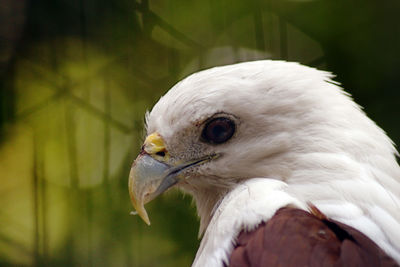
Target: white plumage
(300, 133)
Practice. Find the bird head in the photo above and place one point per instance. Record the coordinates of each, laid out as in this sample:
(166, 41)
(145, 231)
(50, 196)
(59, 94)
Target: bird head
(270, 119)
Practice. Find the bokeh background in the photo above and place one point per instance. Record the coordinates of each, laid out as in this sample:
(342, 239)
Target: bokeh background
(76, 77)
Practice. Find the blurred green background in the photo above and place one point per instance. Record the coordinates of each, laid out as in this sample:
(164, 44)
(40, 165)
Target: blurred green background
(76, 77)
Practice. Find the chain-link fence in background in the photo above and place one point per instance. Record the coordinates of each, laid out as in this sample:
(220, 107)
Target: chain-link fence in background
(77, 77)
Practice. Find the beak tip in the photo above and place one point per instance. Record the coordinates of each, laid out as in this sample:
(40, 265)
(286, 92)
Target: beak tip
(144, 178)
(143, 215)
(145, 218)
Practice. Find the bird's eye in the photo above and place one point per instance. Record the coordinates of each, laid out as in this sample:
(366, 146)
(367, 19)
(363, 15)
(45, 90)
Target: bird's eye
(218, 130)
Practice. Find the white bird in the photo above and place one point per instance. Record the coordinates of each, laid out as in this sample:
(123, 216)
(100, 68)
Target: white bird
(267, 143)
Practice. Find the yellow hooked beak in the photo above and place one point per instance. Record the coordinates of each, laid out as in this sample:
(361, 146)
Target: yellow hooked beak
(152, 173)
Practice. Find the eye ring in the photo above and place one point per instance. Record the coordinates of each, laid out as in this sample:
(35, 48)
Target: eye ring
(218, 130)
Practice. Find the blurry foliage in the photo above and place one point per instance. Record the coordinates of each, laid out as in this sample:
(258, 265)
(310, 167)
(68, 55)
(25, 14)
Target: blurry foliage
(76, 77)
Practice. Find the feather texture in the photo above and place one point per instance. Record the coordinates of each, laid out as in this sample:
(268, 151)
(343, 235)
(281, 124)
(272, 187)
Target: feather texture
(295, 238)
(299, 139)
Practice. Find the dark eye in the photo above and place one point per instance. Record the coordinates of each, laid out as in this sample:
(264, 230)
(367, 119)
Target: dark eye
(218, 130)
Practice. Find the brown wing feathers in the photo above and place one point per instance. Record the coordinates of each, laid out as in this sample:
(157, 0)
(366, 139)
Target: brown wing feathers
(294, 237)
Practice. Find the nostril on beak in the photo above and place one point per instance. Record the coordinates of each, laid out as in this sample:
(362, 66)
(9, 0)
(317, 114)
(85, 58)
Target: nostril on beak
(161, 153)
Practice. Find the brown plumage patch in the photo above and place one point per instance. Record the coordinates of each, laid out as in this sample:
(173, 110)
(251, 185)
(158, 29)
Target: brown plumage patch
(294, 237)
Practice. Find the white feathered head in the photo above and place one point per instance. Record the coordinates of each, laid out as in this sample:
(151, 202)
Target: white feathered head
(266, 119)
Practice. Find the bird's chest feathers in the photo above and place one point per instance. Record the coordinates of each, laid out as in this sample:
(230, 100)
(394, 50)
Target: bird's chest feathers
(256, 200)
(249, 204)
